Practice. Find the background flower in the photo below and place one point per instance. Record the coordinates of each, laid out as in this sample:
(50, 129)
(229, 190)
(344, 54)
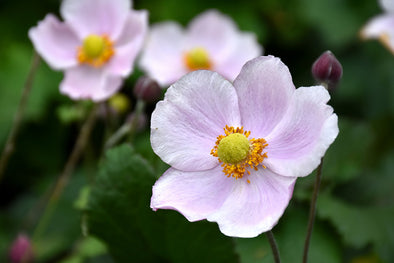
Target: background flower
(211, 41)
(95, 46)
(297, 125)
(382, 26)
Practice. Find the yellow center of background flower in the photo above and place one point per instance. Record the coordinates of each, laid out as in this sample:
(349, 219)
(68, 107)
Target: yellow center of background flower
(95, 50)
(237, 153)
(197, 58)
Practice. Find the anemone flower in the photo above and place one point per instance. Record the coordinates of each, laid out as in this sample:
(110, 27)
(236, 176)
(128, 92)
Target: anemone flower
(212, 41)
(382, 26)
(95, 46)
(236, 149)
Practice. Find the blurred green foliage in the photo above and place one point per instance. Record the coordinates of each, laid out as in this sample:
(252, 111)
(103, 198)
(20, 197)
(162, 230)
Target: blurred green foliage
(355, 209)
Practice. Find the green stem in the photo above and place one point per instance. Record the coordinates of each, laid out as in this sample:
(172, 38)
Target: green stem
(67, 172)
(10, 143)
(274, 246)
(127, 128)
(312, 211)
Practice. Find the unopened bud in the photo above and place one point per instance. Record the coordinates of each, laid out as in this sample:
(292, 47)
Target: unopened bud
(119, 102)
(327, 70)
(147, 89)
(21, 250)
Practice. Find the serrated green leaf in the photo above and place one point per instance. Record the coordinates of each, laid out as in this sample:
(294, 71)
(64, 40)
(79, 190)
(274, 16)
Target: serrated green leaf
(361, 226)
(119, 214)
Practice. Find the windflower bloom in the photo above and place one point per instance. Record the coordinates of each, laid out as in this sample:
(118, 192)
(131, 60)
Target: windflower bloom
(212, 41)
(382, 26)
(236, 150)
(96, 45)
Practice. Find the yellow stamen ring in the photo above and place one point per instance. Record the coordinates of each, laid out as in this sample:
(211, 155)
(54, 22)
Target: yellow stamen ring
(236, 159)
(95, 51)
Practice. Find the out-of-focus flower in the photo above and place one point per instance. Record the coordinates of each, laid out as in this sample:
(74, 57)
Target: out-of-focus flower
(21, 250)
(119, 102)
(382, 26)
(96, 45)
(237, 149)
(212, 41)
(147, 89)
(327, 70)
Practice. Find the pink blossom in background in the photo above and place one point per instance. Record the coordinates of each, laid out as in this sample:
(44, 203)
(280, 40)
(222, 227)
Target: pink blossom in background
(212, 41)
(236, 149)
(21, 250)
(382, 26)
(95, 46)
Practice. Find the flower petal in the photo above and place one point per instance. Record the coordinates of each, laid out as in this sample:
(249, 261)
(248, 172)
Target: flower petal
(194, 194)
(382, 28)
(163, 53)
(129, 43)
(255, 207)
(96, 16)
(245, 49)
(264, 89)
(387, 5)
(84, 82)
(213, 31)
(309, 126)
(55, 42)
(194, 112)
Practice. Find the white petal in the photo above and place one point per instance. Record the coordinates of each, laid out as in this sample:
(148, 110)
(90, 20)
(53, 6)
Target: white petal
(193, 194)
(302, 137)
(264, 89)
(55, 42)
(255, 207)
(382, 28)
(185, 125)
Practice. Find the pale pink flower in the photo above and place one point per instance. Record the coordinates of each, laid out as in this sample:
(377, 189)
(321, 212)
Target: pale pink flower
(212, 41)
(382, 26)
(95, 46)
(237, 149)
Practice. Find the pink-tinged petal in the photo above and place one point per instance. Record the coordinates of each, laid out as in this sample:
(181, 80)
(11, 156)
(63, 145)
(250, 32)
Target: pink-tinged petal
(162, 56)
(185, 125)
(96, 16)
(213, 31)
(129, 43)
(255, 207)
(84, 82)
(382, 28)
(194, 194)
(264, 89)
(300, 140)
(387, 5)
(55, 42)
(245, 49)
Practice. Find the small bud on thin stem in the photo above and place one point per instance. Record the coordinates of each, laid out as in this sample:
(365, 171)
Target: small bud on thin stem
(21, 250)
(327, 70)
(147, 89)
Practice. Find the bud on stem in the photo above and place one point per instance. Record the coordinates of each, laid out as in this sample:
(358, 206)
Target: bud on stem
(327, 70)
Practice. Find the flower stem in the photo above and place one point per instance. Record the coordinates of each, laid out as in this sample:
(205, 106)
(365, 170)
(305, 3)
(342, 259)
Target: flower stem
(274, 246)
(312, 211)
(10, 143)
(127, 128)
(67, 172)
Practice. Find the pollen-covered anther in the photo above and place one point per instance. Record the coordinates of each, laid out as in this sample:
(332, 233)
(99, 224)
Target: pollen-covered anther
(237, 153)
(197, 58)
(95, 51)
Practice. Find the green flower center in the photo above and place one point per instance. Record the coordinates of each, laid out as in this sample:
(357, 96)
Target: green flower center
(234, 148)
(93, 46)
(197, 58)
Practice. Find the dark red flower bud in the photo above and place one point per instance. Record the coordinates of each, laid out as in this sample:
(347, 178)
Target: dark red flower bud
(327, 70)
(21, 250)
(147, 89)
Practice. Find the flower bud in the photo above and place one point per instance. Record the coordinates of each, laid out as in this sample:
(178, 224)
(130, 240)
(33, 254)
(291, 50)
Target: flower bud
(147, 89)
(119, 102)
(21, 250)
(327, 70)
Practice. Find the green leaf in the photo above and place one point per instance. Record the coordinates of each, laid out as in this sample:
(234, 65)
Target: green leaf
(119, 214)
(361, 226)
